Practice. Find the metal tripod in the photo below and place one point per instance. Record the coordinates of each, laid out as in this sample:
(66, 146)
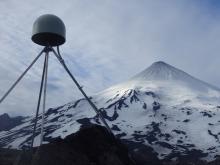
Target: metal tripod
(43, 88)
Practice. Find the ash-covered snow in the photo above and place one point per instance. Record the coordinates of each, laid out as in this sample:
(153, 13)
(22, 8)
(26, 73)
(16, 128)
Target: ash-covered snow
(162, 107)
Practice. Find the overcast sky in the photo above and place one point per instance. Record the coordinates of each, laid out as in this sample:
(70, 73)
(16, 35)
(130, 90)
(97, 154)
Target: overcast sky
(108, 41)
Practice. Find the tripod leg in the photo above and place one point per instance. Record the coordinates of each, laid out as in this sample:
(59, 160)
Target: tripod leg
(81, 90)
(38, 104)
(22, 75)
(44, 98)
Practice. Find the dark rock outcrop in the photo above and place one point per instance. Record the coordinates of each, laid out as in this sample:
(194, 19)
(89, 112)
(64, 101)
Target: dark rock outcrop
(8, 156)
(90, 146)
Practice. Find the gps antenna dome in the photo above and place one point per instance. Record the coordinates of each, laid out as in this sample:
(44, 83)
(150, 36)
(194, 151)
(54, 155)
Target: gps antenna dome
(49, 30)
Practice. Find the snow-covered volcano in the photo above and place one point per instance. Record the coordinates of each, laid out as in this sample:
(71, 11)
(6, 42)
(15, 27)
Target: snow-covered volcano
(161, 107)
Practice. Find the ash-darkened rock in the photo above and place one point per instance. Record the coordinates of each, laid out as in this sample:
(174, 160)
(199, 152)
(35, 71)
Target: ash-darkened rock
(8, 156)
(142, 154)
(190, 157)
(92, 145)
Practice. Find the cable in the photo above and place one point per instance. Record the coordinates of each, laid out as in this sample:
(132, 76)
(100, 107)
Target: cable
(21, 76)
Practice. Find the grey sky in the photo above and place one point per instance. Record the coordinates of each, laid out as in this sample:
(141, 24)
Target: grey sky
(108, 41)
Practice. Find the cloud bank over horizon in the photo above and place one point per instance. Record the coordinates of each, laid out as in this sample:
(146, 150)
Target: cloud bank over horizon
(107, 43)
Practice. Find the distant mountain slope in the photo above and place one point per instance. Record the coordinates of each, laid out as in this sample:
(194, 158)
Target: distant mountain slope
(162, 107)
(7, 122)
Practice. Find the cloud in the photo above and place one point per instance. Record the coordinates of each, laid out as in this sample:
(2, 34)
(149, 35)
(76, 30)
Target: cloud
(107, 42)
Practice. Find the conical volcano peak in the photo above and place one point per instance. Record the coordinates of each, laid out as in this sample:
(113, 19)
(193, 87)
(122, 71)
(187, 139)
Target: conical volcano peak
(161, 66)
(162, 71)
(160, 63)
